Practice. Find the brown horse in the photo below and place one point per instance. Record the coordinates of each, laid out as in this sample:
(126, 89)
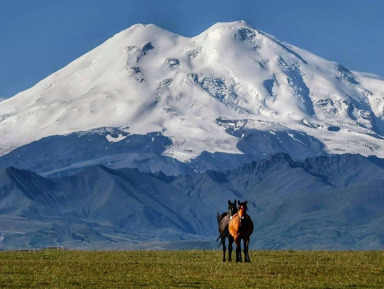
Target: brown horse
(223, 221)
(241, 227)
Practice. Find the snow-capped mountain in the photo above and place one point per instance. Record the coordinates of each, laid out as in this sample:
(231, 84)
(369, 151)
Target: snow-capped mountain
(205, 93)
(167, 128)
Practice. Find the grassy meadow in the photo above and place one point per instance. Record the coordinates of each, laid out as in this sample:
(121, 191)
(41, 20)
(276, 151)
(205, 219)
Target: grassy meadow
(190, 269)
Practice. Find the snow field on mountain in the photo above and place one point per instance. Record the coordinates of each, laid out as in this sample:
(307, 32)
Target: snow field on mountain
(149, 79)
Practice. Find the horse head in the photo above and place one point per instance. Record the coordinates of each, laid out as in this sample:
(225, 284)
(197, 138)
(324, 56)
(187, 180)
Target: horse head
(242, 209)
(232, 208)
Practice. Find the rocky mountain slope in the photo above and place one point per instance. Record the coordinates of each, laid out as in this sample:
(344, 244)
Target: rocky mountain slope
(320, 203)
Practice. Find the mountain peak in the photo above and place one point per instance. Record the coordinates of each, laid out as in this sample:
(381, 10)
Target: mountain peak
(240, 29)
(195, 90)
(230, 25)
(217, 26)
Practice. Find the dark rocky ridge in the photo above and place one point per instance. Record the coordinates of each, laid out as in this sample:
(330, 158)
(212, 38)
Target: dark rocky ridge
(327, 202)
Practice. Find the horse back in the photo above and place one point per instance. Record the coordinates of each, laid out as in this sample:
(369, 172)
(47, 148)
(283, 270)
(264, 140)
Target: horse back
(220, 217)
(223, 222)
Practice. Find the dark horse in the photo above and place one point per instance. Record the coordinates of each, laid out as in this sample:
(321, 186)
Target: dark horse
(241, 227)
(223, 221)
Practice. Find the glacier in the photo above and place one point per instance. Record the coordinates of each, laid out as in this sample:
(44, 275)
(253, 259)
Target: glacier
(149, 80)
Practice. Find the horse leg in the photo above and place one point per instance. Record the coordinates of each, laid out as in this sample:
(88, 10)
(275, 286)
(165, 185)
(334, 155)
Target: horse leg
(230, 243)
(224, 248)
(240, 257)
(238, 250)
(246, 255)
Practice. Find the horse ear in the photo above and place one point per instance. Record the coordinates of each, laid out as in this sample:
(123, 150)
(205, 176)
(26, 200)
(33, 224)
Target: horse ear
(245, 202)
(229, 202)
(238, 201)
(234, 202)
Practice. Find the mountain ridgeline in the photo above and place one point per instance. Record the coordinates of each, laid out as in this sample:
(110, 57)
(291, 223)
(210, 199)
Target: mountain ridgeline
(116, 148)
(319, 203)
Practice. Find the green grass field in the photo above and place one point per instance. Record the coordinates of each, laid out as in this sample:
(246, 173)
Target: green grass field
(190, 269)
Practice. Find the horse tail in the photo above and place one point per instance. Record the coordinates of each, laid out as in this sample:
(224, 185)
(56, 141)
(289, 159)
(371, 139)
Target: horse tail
(218, 222)
(219, 243)
(220, 236)
(223, 234)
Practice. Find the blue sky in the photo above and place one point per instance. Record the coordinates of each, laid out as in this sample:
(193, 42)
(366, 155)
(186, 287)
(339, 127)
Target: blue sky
(38, 37)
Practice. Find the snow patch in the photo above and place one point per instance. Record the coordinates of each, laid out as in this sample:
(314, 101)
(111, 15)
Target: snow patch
(120, 137)
(292, 136)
